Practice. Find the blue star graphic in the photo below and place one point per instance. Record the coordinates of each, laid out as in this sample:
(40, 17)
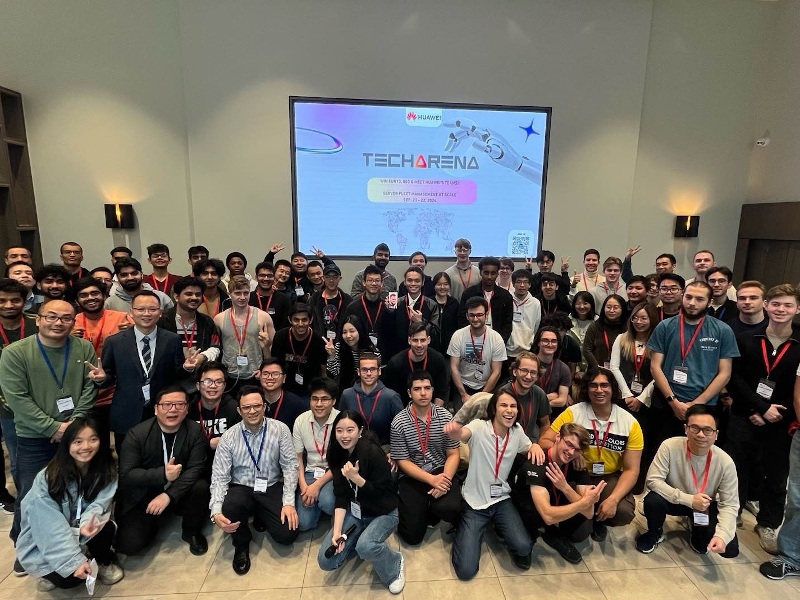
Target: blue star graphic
(529, 131)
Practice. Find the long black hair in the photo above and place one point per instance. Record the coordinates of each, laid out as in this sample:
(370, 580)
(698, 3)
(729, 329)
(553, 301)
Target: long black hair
(347, 363)
(62, 470)
(338, 456)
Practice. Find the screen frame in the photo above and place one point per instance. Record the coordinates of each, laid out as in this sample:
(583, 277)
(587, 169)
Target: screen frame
(293, 100)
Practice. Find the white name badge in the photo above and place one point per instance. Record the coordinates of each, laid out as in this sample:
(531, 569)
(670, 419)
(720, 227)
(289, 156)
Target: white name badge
(318, 472)
(373, 338)
(765, 389)
(680, 375)
(700, 518)
(299, 291)
(598, 468)
(495, 490)
(260, 485)
(242, 361)
(270, 311)
(146, 392)
(355, 509)
(331, 334)
(636, 387)
(517, 317)
(65, 404)
(298, 377)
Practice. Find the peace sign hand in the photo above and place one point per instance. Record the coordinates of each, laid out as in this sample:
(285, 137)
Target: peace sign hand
(96, 373)
(329, 347)
(263, 337)
(275, 248)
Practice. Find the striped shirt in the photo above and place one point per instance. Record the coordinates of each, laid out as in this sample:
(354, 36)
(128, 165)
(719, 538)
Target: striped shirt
(406, 443)
(233, 462)
(334, 364)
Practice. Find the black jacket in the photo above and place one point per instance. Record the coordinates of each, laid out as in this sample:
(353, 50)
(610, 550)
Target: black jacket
(502, 307)
(378, 496)
(277, 307)
(395, 374)
(141, 462)
(335, 319)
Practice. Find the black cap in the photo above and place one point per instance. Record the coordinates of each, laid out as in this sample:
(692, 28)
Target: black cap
(331, 268)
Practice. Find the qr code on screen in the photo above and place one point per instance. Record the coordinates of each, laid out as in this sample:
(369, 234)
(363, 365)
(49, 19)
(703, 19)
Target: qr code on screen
(520, 245)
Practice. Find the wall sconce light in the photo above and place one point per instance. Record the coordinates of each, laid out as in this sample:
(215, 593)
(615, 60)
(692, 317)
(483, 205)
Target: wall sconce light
(687, 226)
(119, 216)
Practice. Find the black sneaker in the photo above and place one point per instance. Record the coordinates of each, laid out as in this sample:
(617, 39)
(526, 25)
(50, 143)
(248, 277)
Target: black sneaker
(7, 502)
(778, 568)
(599, 531)
(648, 541)
(19, 571)
(523, 562)
(563, 546)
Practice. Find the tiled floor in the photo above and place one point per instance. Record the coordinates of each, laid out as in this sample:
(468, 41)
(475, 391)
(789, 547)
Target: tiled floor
(612, 570)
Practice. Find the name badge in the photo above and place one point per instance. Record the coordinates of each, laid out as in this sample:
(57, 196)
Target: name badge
(65, 404)
(598, 468)
(517, 317)
(680, 375)
(270, 311)
(298, 377)
(76, 531)
(260, 486)
(765, 388)
(606, 365)
(427, 467)
(146, 393)
(242, 361)
(373, 338)
(331, 334)
(355, 509)
(318, 472)
(495, 490)
(700, 518)
(299, 291)
(636, 387)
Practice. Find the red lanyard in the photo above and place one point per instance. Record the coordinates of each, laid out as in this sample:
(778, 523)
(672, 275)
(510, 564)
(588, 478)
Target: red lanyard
(700, 489)
(369, 317)
(685, 349)
(518, 304)
(638, 359)
(409, 305)
(478, 355)
(424, 362)
(208, 308)
(469, 277)
(525, 418)
(208, 434)
(320, 451)
(278, 405)
(269, 301)
(22, 331)
(597, 436)
(241, 339)
(777, 358)
(339, 296)
(549, 372)
(158, 288)
(308, 343)
(372, 412)
(563, 470)
(608, 346)
(498, 455)
(189, 339)
(423, 445)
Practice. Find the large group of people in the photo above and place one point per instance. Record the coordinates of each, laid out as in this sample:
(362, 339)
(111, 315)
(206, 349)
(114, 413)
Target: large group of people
(540, 402)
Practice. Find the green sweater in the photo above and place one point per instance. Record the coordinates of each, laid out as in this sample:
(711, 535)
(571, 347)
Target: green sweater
(32, 393)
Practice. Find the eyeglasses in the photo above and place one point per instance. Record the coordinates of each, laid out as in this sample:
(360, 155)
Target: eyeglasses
(600, 386)
(368, 369)
(145, 310)
(212, 382)
(572, 447)
(476, 315)
(670, 290)
(463, 248)
(271, 374)
(639, 319)
(251, 408)
(548, 342)
(527, 372)
(171, 405)
(320, 399)
(695, 429)
(66, 320)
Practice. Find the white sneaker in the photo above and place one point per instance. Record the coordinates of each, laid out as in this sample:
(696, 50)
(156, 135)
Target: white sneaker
(398, 584)
(768, 539)
(110, 574)
(45, 585)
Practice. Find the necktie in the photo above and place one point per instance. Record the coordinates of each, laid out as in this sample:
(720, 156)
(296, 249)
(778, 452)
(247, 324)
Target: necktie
(147, 357)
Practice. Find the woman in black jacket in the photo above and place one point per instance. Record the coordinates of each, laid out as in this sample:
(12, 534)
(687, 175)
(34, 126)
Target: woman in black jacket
(446, 313)
(366, 502)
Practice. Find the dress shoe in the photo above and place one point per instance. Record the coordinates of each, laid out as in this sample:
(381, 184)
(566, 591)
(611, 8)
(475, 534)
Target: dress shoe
(241, 561)
(197, 543)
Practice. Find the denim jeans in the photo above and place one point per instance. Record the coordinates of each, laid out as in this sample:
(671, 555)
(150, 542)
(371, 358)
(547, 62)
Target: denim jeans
(309, 515)
(789, 535)
(369, 542)
(10, 438)
(466, 552)
(33, 454)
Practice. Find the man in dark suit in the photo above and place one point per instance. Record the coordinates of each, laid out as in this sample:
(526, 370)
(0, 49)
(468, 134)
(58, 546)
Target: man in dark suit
(142, 361)
(160, 470)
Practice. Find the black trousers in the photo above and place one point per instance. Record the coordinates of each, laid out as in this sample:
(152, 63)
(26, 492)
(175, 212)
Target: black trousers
(137, 529)
(646, 417)
(99, 547)
(761, 455)
(241, 502)
(656, 509)
(417, 508)
(576, 529)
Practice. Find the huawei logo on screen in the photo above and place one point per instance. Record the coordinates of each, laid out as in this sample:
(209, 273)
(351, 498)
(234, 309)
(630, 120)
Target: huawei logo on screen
(424, 117)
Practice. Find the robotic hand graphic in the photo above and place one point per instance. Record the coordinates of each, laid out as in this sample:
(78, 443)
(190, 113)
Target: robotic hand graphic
(495, 145)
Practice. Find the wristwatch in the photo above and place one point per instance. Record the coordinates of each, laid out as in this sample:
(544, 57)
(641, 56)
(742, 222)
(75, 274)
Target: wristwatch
(212, 518)
(669, 398)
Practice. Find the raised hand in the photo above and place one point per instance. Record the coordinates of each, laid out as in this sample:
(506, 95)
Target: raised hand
(632, 251)
(96, 372)
(330, 348)
(317, 251)
(275, 248)
(565, 263)
(263, 337)
(193, 359)
(171, 470)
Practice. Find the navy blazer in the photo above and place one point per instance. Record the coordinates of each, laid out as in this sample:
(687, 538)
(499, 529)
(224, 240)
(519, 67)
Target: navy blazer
(123, 367)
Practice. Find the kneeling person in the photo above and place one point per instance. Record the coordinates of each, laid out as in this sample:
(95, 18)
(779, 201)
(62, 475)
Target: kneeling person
(160, 468)
(428, 461)
(692, 477)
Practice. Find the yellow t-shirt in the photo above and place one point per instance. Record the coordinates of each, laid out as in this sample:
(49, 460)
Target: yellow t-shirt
(624, 433)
